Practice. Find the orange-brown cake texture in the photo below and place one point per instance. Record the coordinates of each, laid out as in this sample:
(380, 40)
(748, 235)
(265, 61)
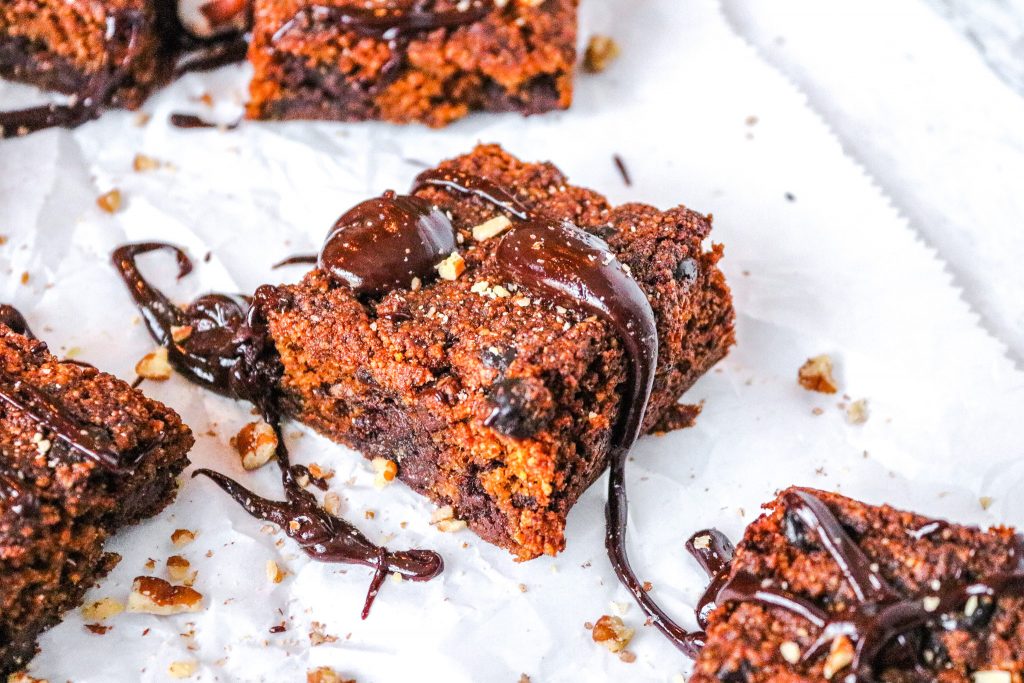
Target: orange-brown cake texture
(488, 398)
(514, 55)
(57, 506)
(980, 640)
(66, 46)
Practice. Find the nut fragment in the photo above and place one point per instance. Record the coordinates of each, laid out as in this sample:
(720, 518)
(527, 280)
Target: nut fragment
(110, 201)
(183, 669)
(182, 537)
(839, 657)
(101, 610)
(612, 633)
(491, 228)
(145, 163)
(274, 572)
(325, 674)
(180, 333)
(256, 443)
(151, 595)
(790, 651)
(816, 375)
(179, 569)
(386, 471)
(992, 676)
(154, 365)
(857, 412)
(332, 503)
(452, 267)
(444, 519)
(318, 634)
(601, 51)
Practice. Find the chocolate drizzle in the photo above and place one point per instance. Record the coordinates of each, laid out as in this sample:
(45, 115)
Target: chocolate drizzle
(886, 628)
(384, 243)
(388, 23)
(49, 413)
(570, 265)
(124, 34)
(221, 342)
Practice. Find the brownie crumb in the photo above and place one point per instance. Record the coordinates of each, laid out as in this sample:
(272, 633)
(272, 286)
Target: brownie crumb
(816, 375)
(600, 53)
(678, 416)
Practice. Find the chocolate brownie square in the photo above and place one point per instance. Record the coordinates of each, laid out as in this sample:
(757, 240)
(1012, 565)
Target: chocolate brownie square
(431, 61)
(489, 397)
(823, 587)
(82, 454)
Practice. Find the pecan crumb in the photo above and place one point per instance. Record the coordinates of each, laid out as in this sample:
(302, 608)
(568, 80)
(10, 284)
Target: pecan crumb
(839, 657)
(857, 412)
(154, 365)
(110, 201)
(612, 633)
(452, 267)
(318, 635)
(816, 375)
(101, 610)
(178, 568)
(182, 537)
(274, 572)
(142, 163)
(385, 470)
(151, 595)
(183, 669)
(601, 51)
(444, 519)
(256, 443)
(325, 674)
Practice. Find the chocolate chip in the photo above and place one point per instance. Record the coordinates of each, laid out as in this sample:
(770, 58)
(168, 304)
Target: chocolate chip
(686, 270)
(739, 675)
(518, 407)
(521, 501)
(498, 358)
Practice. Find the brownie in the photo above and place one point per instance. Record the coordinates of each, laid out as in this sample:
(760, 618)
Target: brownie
(490, 399)
(431, 61)
(109, 49)
(915, 599)
(59, 503)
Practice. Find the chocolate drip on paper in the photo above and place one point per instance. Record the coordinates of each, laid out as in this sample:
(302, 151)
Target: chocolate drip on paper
(221, 342)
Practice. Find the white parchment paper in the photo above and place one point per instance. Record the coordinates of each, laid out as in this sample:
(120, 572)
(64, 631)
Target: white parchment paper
(832, 270)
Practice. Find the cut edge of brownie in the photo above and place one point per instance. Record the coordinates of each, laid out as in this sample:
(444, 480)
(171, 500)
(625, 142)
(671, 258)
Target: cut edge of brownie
(513, 490)
(517, 58)
(57, 507)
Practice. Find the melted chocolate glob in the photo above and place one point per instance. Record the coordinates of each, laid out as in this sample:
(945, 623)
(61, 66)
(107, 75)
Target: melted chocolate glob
(382, 244)
(889, 631)
(12, 317)
(221, 342)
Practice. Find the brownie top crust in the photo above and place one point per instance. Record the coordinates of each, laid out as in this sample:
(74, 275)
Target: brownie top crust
(128, 432)
(826, 587)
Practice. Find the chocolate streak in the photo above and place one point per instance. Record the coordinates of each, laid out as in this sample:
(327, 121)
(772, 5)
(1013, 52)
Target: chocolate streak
(124, 32)
(48, 412)
(570, 265)
(221, 342)
(884, 625)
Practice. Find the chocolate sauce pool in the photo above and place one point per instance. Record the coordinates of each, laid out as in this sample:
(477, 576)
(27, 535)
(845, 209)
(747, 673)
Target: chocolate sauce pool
(885, 627)
(221, 342)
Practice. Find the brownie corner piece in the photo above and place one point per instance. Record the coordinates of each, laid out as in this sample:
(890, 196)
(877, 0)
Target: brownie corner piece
(60, 502)
(489, 398)
(824, 587)
(431, 61)
(76, 47)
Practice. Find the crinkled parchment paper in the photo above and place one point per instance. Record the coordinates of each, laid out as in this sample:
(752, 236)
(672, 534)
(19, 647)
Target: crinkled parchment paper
(832, 270)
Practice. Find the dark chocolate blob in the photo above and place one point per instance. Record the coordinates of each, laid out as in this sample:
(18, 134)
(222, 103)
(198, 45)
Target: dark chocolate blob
(221, 342)
(12, 318)
(889, 631)
(383, 243)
